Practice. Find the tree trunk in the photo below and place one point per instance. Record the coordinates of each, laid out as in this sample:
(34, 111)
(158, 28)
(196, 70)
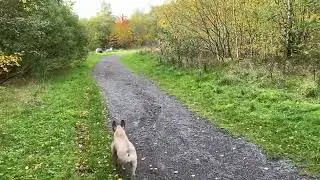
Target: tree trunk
(289, 27)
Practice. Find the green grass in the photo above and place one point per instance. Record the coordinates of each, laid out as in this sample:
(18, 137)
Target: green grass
(55, 128)
(118, 52)
(284, 123)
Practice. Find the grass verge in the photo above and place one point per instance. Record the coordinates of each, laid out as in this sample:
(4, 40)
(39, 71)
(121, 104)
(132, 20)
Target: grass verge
(284, 124)
(55, 128)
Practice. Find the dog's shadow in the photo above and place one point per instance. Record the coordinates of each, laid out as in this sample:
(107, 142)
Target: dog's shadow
(125, 173)
(122, 171)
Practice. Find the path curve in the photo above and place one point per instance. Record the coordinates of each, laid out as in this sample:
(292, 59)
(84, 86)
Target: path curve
(173, 143)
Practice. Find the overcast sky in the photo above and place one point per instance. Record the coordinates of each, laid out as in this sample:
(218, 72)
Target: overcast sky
(89, 8)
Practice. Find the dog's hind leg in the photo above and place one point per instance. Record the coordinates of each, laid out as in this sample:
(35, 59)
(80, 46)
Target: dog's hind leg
(134, 167)
(115, 157)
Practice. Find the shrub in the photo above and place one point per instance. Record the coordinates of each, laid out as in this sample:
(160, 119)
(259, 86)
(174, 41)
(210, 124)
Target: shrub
(229, 80)
(312, 92)
(47, 31)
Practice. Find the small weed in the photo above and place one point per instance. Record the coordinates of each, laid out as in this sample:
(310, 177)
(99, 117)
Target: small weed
(312, 93)
(229, 80)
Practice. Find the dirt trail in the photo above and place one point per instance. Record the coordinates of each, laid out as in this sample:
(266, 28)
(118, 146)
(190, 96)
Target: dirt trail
(171, 142)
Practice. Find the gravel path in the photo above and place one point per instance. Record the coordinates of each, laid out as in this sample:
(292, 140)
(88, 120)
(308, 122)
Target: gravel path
(173, 143)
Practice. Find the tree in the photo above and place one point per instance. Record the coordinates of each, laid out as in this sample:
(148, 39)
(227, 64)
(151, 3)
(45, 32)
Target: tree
(143, 27)
(273, 32)
(99, 27)
(122, 32)
(46, 33)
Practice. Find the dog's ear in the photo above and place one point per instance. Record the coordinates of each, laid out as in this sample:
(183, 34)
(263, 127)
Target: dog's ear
(114, 125)
(122, 123)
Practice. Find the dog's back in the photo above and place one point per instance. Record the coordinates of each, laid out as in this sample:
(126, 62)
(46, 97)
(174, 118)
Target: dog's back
(123, 148)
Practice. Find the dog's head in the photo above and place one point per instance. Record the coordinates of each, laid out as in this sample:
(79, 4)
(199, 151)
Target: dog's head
(115, 126)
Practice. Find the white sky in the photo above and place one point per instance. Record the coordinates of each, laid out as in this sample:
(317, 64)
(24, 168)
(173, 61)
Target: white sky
(89, 8)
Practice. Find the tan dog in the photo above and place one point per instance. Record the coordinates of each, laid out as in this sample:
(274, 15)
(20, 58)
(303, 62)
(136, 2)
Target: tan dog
(122, 149)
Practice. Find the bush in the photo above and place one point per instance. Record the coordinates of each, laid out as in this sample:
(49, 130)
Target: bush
(229, 80)
(312, 92)
(47, 31)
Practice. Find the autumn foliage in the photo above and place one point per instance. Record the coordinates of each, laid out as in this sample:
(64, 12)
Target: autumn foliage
(9, 63)
(122, 33)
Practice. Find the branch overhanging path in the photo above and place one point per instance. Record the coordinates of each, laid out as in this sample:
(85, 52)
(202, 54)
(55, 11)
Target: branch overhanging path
(172, 142)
